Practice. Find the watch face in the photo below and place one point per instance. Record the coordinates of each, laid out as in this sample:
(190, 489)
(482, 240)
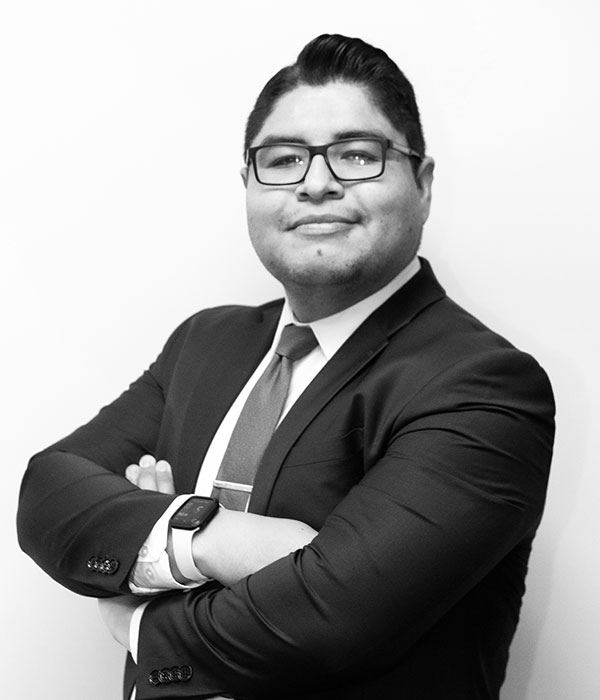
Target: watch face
(193, 513)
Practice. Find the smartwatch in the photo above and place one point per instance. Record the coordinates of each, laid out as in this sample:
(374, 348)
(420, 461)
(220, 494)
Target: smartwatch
(192, 516)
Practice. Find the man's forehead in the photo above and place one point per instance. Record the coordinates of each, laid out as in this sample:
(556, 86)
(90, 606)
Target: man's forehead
(324, 113)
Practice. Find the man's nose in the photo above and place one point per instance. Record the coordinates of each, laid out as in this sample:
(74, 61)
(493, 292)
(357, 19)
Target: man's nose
(319, 181)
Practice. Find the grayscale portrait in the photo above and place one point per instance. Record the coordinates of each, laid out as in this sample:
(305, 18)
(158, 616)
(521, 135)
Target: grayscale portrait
(301, 372)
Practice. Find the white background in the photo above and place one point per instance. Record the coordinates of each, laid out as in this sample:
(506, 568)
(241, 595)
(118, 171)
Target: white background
(122, 212)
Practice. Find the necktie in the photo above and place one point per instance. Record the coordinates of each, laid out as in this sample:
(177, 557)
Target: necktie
(259, 418)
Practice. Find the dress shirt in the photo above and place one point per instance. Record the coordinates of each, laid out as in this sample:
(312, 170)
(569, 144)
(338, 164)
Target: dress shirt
(152, 573)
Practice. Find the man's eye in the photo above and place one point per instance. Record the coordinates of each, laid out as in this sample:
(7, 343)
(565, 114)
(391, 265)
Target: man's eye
(286, 161)
(358, 158)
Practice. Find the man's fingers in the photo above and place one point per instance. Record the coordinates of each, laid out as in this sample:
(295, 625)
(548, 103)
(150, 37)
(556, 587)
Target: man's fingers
(147, 475)
(147, 461)
(132, 473)
(164, 477)
(151, 475)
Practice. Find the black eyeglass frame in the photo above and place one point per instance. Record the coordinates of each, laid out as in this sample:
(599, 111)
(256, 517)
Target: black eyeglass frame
(386, 144)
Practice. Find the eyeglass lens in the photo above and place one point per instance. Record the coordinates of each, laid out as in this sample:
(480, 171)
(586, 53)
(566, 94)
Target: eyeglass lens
(282, 164)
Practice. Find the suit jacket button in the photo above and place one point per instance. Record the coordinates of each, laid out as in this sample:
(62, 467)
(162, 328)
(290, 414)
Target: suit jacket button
(164, 675)
(92, 563)
(109, 566)
(185, 673)
(154, 677)
(113, 565)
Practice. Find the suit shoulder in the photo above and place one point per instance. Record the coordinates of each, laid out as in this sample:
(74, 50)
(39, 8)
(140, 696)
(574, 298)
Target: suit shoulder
(220, 320)
(457, 331)
(447, 340)
(215, 316)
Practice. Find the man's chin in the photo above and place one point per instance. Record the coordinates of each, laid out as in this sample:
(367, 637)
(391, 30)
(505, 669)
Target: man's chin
(321, 272)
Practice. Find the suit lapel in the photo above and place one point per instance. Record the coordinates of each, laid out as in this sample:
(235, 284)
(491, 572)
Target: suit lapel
(363, 346)
(233, 356)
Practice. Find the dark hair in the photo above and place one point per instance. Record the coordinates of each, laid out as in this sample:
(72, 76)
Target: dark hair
(333, 57)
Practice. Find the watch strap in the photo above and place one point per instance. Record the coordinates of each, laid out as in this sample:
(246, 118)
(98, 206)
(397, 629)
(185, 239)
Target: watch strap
(182, 553)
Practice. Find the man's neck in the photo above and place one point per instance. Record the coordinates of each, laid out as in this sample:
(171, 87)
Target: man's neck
(311, 302)
(314, 304)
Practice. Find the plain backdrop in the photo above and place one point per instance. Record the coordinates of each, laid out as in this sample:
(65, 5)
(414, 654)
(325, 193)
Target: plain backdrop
(122, 213)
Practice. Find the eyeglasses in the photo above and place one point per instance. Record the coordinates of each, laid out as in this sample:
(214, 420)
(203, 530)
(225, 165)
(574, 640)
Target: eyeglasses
(347, 159)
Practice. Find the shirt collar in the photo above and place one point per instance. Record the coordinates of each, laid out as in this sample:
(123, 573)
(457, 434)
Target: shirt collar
(333, 331)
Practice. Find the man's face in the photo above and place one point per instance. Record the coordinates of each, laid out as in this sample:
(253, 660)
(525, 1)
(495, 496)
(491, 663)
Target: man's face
(350, 238)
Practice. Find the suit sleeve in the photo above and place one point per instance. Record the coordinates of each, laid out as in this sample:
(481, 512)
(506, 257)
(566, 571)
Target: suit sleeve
(460, 484)
(79, 518)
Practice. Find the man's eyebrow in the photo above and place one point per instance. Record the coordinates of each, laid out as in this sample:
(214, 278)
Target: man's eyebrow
(281, 138)
(361, 134)
(338, 136)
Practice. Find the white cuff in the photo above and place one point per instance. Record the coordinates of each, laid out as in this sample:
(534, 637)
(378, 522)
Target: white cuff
(152, 571)
(134, 629)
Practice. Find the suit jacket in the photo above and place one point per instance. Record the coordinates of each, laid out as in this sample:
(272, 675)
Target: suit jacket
(421, 454)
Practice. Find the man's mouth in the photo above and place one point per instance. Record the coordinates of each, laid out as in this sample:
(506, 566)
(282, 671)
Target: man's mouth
(322, 223)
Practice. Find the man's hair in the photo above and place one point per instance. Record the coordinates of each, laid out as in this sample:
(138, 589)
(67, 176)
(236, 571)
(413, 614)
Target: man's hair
(333, 57)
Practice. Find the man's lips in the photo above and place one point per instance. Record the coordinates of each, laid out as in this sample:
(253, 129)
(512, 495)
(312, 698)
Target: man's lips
(322, 223)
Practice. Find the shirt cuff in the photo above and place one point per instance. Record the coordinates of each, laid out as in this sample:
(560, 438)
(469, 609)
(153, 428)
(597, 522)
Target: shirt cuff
(151, 574)
(134, 629)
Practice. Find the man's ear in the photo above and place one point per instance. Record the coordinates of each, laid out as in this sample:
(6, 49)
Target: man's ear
(424, 174)
(244, 174)
(424, 179)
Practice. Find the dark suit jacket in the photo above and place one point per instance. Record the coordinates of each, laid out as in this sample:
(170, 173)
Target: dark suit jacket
(420, 453)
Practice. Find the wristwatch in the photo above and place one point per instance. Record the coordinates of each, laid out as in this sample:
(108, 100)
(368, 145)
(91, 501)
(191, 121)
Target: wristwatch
(192, 516)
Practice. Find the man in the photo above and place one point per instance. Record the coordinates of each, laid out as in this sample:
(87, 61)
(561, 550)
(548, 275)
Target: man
(392, 510)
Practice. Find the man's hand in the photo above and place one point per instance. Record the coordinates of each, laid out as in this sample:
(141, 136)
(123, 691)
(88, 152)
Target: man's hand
(116, 613)
(151, 475)
(235, 544)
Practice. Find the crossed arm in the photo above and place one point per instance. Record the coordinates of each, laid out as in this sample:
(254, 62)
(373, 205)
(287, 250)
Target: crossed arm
(233, 545)
(453, 485)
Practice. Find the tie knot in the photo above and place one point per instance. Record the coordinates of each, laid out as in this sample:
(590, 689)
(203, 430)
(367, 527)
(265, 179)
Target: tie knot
(296, 342)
